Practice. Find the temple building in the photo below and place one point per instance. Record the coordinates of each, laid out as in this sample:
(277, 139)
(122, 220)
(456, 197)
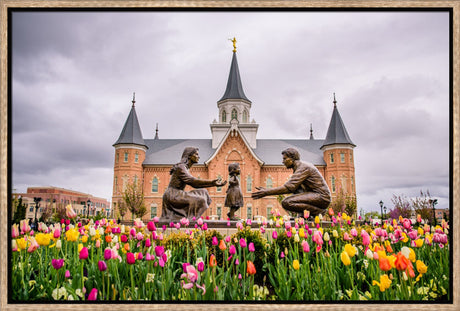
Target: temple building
(233, 139)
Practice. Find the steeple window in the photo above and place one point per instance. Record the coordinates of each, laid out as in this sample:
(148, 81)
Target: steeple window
(245, 116)
(224, 116)
(342, 157)
(126, 156)
(234, 114)
(332, 157)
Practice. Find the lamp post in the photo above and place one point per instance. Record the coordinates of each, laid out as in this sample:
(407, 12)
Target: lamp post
(433, 203)
(37, 205)
(88, 204)
(385, 211)
(381, 210)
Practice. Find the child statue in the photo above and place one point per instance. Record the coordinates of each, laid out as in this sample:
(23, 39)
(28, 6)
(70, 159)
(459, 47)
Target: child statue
(234, 198)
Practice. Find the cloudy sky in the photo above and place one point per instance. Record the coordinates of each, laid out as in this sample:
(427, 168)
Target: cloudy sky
(74, 74)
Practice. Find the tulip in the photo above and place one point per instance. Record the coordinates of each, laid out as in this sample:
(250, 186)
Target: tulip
(93, 294)
(151, 226)
(83, 253)
(251, 247)
(107, 254)
(102, 265)
(130, 258)
(351, 250)
(274, 234)
(214, 240)
(251, 269)
(384, 283)
(159, 251)
(222, 245)
(67, 274)
(237, 262)
(232, 249)
(200, 266)
(345, 258)
(421, 267)
(70, 213)
(305, 246)
(57, 263)
(24, 226)
(296, 264)
(15, 231)
(243, 243)
(384, 263)
(354, 232)
(212, 261)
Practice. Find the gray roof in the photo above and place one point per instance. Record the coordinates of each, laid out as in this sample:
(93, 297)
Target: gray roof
(337, 133)
(234, 88)
(169, 151)
(131, 133)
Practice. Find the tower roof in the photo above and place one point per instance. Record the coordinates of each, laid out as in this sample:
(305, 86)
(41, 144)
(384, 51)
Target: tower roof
(131, 133)
(337, 133)
(234, 88)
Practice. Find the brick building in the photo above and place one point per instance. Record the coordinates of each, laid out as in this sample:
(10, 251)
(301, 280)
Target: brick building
(54, 196)
(233, 139)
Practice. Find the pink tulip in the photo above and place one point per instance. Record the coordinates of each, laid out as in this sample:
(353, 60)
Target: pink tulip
(251, 247)
(98, 243)
(124, 238)
(24, 226)
(237, 262)
(317, 237)
(148, 243)
(274, 234)
(70, 213)
(204, 227)
(139, 236)
(33, 245)
(83, 253)
(366, 237)
(354, 232)
(93, 294)
(214, 241)
(159, 251)
(243, 243)
(151, 226)
(132, 232)
(57, 233)
(67, 274)
(156, 219)
(130, 259)
(305, 246)
(199, 221)
(15, 231)
(232, 249)
(107, 254)
(200, 266)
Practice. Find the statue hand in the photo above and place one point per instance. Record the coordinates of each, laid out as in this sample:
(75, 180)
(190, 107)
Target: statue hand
(258, 194)
(219, 182)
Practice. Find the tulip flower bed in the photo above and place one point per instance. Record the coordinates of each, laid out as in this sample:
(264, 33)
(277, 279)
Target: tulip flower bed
(281, 260)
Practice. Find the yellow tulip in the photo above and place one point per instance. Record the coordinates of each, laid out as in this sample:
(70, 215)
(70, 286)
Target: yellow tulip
(80, 246)
(316, 220)
(84, 238)
(296, 264)
(345, 258)
(302, 232)
(384, 283)
(22, 243)
(411, 255)
(72, 235)
(421, 267)
(43, 239)
(351, 250)
(419, 243)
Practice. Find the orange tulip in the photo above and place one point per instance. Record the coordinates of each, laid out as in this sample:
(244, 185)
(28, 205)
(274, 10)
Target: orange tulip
(251, 269)
(401, 262)
(108, 238)
(384, 263)
(222, 245)
(126, 246)
(212, 261)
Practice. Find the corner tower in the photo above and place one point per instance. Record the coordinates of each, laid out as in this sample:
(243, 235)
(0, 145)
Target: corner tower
(338, 155)
(234, 108)
(130, 151)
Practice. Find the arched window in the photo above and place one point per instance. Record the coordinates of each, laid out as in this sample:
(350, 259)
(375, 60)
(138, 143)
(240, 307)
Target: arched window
(136, 157)
(249, 184)
(153, 210)
(333, 184)
(126, 156)
(249, 212)
(224, 116)
(155, 184)
(234, 114)
(245, 116)
(219, 212)
(269, 182)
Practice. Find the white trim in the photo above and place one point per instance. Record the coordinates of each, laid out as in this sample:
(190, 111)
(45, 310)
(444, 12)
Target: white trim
(126, 146)
(337, 146)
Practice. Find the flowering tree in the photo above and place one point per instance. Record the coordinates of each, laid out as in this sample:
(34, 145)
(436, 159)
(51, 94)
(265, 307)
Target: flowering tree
(133, 196)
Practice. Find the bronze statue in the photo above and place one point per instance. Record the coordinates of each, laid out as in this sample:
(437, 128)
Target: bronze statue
(234, 197)
(310, 191)
(178, 203)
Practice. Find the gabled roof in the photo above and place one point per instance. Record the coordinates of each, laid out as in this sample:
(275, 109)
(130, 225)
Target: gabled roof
(234, 88)
(244, 140)
(169, 151)
(337, 133)
(131, 133)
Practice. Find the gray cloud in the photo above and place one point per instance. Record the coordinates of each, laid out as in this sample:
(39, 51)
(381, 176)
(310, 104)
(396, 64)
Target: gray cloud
(74, 74)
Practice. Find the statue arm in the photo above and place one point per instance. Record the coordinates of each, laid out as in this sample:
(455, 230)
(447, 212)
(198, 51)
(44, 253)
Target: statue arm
(194, 182)
(262, 192)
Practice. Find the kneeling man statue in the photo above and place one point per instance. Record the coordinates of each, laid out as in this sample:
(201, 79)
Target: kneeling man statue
(308, 187)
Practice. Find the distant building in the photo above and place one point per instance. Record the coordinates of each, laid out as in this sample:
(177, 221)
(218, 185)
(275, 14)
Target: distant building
(54, 196)
(233, 139)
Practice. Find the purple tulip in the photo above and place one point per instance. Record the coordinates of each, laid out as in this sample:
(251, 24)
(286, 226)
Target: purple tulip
(102, 265)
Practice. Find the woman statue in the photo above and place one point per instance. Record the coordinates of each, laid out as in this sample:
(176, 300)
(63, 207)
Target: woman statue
(178, 203)
(234, 197)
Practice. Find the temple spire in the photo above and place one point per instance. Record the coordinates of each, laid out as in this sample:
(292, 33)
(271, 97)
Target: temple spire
(234, 44)
(134, 98)
(337, 133)
(156, 132)
(131, 133)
